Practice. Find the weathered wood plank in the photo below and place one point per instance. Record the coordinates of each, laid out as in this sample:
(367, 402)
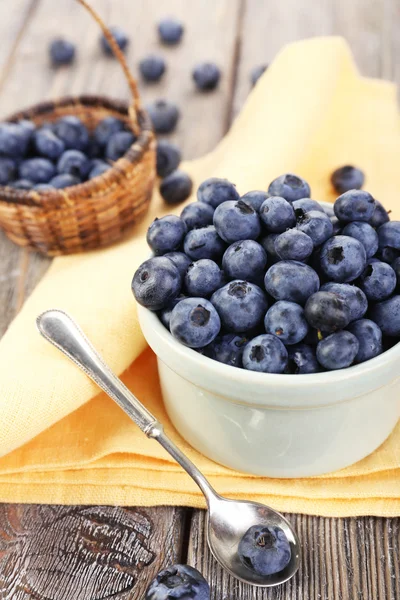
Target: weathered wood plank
(14, 16)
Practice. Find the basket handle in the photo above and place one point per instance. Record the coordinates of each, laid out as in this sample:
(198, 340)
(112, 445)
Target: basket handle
(136, 106)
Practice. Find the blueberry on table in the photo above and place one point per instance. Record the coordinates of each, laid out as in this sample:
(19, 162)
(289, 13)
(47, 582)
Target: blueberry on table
(379, 216)
(37, 170)
(294, 244)
(227, 349)
(364, 233)
(355, 205)
(106, 128)
(378, 281)
(317, 225)
(215, 191)
(305, 205)
(204, 243)
(206, 76)
(180, 260)
(152, 67)
(166, 234)
(256, 73)
(164, 115)
(327, 312)
(338, 350)
(72, 132)
(302, 359)
(22, 184)
(118, 144)
(176, 187)
(245, 260)
(47, 144)
(291, 280)
(168, 157)
(235, 220)
(119, 36)
(63, 181)
(8, 170)
(197, 214)
(286, 320)
(156, 283)
(241, 305)
(165, 313)
(195, 322)
(369, 337)
(343, 258)
(347, 178)
(265, 550)
(98, 168)
(13, 140)
(170, 31)
(389, 235)
(355, 298)
(255, 199)
(75, 163)
(277, 214)
(202, 278)
(62, 52)
(290, 187)
(268, 243)
(178, 582)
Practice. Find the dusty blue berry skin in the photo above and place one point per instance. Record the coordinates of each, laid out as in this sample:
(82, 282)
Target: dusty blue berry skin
(355, 205)
(317, 225)
(305, 205)
(256, 73)
(166, 234)
(180, 260)
(277, 214)
(8, 170)
(227, 349)
(369, 337)
(202, 278)
(337, 225)
(286, 320)
(347, 178)
(241, 305)
(164, 115)
(302, 359)
(197, 214)
(98, 169)
(268, 243)
(290, 187)
(215, 191)
(264, 550)
(37, 170)
(377, 281)
(236, 220)
(380, 215)
(170, 31)
(120, 37)
(294, 244)
(343, 259)
(75, 163)
(72, 132)
(386, 315)
(204, 243)
(206, 76)
(168, 157)
(165, 313)
(106, 128)
(195, 322)
(47, 144)
(265, 353)
(327, 312)
(255, 199)
(62, 52)
(28, 128)
(387, 255)
(352, 295)
(156, 283)
(291, 280)
(63, 181)
(364, 233)
(22, 184)
(245, 260)
(338, 350)
(13, 140)
(389, 235)
(118, 144)
(43, 187)
(178, 582)
(176, 187)
(152, 67)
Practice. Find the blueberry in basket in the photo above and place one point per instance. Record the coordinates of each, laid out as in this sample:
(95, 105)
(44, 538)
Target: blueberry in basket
(271, 282)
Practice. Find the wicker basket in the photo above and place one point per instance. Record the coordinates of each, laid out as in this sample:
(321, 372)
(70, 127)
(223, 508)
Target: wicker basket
(95, 213)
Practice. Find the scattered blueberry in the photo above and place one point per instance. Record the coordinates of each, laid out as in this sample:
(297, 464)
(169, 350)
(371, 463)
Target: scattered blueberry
(13, 140)
(305, 205)
(164, 115)
(22, 184)
(98, 168)
(206, 76)
(152, 67)
(168, 157)
(119, 36)
(118, 144)
(170, 31)
(355, 205)
(265, 550)
(327, 312)
(48, 144)
(317, 225)
(72, 132)
(197, 214)
(369, 338)
(37, 170)
(64, 180)
(379, 216)
(204, 243)
(203, 278)
(176, 187)
(378, 281)
(8, 170)
(178, 582)
(245, 260)
(286, 320)
(75, 163)
(290, 187)
(343, 258)
(355, 298)
(302, 359)
(338, 350)
(347, 178)
(293, 244)
(265, 353)
(277, 214)
(215, 191)
(180, 260)
(255, 199)
(195, 322)
(386, 315)
(236, 220)
(106, 128)
(62, 52)
(256, 73)
(227, 349)
(156, 283)
(241, 305)
(166, 234)
(291, 280)
(364, 233)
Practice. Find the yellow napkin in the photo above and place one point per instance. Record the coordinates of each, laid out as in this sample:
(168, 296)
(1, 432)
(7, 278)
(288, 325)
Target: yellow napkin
(62, 442)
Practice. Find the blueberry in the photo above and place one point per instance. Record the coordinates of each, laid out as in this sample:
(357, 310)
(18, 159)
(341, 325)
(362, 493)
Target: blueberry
(8, 170)
(176, 187)
(206, 76)
(168, 157)
(164, 115)
(166, 234)
(119, 36)
(379, 216)
(268, 243)
(354, 205)
(256, 73)
(265, 353)
(369, 338)
(378, 281)
(327, 312)
(13, 140)
(94, 150)
(255, 199)
(305, 205)
(355, 298)
(389, 235)
(195, 322)
(215, 191)
(43, 187)
(287, 321)
(302, 359)
(291, 280)
(235, 220)
(156, 283)
(203, 277)
(152, 67)
(293, 244)
(118, 144)
(387, 255)
(72, 132)
(178, 582)
(337, 225)
(106, 128)
(62, 52)
(338, 350)
(386, 315)
(98, 168)
(227, 349)
(180, 260)
(364, 233)
(343, 258)
(197, 214)
(245, 260)
(165, 313)
(47, 144)
(317, 225)
(170, 31)
(75, 163)
(21, 184)
(328, 210)
(277, 214)
(28, 128)
(290, 187)
(204, 243)
(64, 180)
(264, 550)
(37, 170)
(241, 305)
(396, 268)
(347, 178)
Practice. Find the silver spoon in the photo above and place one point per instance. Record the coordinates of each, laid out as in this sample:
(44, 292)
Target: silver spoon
(227, 520)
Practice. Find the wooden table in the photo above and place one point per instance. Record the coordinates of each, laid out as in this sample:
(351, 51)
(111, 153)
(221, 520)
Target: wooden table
(56, 552)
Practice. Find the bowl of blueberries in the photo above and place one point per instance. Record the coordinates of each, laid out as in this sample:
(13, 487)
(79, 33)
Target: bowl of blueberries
(275, 320)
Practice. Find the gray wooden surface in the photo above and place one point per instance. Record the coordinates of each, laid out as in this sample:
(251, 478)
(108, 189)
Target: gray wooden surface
(344, 559)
